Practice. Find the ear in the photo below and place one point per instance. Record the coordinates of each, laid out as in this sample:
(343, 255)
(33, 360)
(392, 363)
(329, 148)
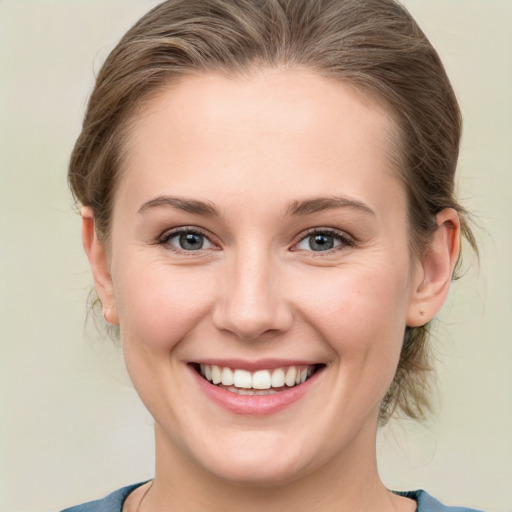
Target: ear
(98, 260)
(435, 270)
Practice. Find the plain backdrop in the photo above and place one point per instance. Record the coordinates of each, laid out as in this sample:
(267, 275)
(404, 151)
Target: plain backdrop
(72, 428)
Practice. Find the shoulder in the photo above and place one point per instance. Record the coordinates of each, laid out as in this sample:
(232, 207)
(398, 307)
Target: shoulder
(427, 503)
(111, 503)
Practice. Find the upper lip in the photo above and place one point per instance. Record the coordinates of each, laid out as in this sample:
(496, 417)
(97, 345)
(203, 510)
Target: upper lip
(253, 366)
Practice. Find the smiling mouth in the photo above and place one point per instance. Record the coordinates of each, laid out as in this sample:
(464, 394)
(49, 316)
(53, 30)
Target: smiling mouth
(261, 382)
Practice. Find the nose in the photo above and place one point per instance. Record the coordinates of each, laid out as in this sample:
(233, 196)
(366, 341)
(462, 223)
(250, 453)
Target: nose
(252, 298)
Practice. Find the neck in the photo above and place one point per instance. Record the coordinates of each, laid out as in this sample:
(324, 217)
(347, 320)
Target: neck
(348, 481)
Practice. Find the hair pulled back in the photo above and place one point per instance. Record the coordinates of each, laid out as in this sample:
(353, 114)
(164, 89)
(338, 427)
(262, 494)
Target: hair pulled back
(374, 45)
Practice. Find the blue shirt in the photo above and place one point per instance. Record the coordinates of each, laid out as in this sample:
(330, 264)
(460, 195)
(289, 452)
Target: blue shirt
(114, 502)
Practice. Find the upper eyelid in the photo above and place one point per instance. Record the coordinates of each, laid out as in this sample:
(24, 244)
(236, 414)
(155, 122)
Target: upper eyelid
(324, 230)
(169, 233)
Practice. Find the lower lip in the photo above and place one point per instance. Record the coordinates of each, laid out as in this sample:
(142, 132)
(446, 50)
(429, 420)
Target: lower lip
(255, 404)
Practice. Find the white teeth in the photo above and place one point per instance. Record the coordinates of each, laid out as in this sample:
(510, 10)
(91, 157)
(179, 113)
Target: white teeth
(253, 392)
(278, 378)
(227, 377)
(216, 374)
(242, 379)
(261, 380)
(290, 376)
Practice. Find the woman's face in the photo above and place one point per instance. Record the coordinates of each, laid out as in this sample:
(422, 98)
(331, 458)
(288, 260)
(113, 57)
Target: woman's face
(259, 231)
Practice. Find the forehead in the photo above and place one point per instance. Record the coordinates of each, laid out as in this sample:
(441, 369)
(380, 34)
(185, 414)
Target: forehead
(273, 129)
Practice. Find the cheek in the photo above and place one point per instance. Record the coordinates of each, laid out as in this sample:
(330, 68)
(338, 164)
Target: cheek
(360, 312)
(159, 305)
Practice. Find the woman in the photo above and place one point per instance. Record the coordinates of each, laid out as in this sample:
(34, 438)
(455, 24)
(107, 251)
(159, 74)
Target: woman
(268, 211)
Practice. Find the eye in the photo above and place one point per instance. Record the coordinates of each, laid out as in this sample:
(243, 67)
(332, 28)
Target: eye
(319, 241)
(186, 240)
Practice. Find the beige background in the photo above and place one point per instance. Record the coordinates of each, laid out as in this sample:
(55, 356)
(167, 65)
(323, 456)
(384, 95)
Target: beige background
(72, 428)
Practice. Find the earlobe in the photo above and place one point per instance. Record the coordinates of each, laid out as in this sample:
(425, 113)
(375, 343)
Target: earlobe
(435, 270)
(98, 260)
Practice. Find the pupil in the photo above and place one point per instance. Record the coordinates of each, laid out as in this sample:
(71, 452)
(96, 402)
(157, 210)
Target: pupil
(191, 241)
(321, 242)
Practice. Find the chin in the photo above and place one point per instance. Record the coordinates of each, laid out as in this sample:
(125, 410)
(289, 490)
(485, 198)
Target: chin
(257, 475)
(256, 465)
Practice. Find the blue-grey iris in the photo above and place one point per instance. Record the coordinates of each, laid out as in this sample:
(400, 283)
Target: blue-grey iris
(321, 242)
(191, 241)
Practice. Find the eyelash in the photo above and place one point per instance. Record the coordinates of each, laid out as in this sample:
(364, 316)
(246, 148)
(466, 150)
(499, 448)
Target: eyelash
(168, 235)
(342, 238)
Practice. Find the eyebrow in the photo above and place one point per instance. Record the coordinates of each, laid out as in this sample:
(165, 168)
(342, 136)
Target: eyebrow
(318, 204)
(194, 206)
(296, 208)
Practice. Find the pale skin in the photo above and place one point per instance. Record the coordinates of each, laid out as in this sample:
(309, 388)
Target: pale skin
(254, 168)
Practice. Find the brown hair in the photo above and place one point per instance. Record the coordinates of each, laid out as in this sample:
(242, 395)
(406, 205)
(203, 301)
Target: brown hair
(375, 45)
